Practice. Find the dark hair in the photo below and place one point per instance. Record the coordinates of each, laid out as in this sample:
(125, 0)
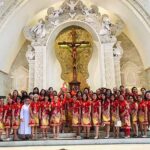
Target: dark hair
(42, 91)
(86, 96)
(133, 88)
(146, 94)
(36, 88)
(48, 97)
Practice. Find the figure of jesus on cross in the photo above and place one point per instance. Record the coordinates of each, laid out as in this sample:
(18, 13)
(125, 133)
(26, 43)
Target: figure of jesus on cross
(74, 45)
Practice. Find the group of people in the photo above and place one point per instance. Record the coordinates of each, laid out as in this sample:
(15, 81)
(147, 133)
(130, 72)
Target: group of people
(80, 111)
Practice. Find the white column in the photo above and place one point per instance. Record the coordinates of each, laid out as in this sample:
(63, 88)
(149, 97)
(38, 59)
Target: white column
(31, 74)
(40, 67)
(118, 52)
(109, 64)
(30, 55)
(117, 71)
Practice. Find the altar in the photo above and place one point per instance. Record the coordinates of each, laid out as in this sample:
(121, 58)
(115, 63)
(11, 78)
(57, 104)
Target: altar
(50, 65)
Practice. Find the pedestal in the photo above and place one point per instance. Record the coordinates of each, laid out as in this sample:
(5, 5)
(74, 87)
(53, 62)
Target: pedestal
(74, 85)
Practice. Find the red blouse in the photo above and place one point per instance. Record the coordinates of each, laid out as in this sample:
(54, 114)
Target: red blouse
(45, 107)
(95, 106)
(56, 107)
(76, 106)
(35, 107)
(86, 107)
(8, 107)
(142, 106)
(114, 105)
(16, 107)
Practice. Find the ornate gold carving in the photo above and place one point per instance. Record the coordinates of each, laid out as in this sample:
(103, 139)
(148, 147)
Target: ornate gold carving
(83, 55)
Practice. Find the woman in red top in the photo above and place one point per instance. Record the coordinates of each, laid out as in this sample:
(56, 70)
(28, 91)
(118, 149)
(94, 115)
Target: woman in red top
(69, 102)
(63, 113)
(114, 108)
(124, 111)
(1, 117)
(76, 113)
(42, 95)
(147, 97)
(96, 114)
(8, 117)
(55, 121)
(134, 114)
(142, 116)
(106, 114)
(44, 116)
(16, 117)
(86, 115)
(34, 116)
(15, 95)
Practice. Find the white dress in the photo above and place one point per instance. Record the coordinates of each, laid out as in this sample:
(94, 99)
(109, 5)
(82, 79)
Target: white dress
(25, 129)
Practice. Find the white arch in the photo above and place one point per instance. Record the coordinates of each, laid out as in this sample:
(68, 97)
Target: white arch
(96, 65)
(11, 37)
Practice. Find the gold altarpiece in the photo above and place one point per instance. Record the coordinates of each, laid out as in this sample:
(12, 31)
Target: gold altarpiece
(84, 54)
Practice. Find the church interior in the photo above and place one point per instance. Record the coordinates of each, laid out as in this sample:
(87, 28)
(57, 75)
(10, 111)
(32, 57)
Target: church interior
(72, 46)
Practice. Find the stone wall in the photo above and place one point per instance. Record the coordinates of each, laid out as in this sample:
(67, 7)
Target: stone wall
(132, 68)
(5, 84)
(19, 70)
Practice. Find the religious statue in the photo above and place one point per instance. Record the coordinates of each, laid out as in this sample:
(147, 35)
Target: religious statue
(74, 45)
(106, 26)
(72, 4)
(30, 54)
(39, 30)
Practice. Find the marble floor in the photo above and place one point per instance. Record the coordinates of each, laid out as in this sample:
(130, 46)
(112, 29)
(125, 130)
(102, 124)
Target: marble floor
(86, 147)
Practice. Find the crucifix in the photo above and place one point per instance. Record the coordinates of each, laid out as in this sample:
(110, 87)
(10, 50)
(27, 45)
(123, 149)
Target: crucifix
(74, 45)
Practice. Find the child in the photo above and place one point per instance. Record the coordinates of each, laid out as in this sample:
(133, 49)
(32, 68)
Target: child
(44, 116)
(8, 117)
(76, 115)
(86, 115)
(124, 112)
(1, 117)
(34, 116)
(96, 114)
(16, 117)
(25, 129)
(142, 116)
(55, 121)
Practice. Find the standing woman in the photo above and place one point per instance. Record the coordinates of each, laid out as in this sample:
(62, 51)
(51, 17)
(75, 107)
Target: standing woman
(55, 120)
(147, 98)
(114, 107)
(25, 129)
(44, 116)
(142, 116)
(8, 117)
(34, 116)
(124, 111)
(15, 95)
(63, 113)
(36, 91)
(134, 114)
(16, 117)
(42, 95)
(69, 102)
(1, 117)
(106, 114)
(96, 114)
(76, 115)
(86, 115)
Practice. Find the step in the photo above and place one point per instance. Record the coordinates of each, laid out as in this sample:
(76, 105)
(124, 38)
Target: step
(62, 142)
